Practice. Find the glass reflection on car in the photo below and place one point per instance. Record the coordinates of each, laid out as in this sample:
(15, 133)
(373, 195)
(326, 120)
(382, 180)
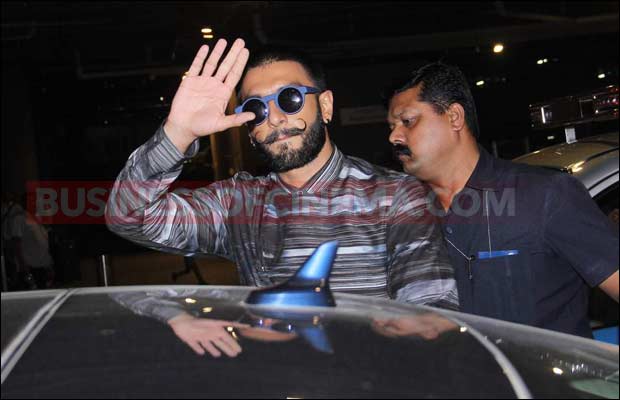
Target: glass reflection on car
(205, 324)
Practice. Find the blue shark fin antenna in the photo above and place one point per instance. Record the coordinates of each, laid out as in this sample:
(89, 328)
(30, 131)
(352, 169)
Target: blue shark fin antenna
(308, 287)
(319, 266)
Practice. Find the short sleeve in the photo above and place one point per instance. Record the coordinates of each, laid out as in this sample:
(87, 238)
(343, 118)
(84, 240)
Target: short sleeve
(577, 230)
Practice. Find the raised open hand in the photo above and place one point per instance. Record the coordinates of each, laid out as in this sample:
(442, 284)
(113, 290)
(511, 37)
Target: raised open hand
(199, 106)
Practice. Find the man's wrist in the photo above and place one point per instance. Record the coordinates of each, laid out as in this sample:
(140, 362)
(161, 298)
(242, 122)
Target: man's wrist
(183, 316)
(182, 139)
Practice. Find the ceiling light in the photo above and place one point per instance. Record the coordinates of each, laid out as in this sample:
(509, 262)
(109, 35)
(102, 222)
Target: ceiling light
(479, 83)
(601, 76)
(498, 48)
(540, 62)
(207, 36)
(206, 30)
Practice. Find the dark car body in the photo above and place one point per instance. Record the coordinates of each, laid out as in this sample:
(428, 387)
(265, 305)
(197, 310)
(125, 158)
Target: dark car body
(85, 343)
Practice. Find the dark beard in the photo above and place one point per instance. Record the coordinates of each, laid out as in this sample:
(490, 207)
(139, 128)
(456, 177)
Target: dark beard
(313, 140)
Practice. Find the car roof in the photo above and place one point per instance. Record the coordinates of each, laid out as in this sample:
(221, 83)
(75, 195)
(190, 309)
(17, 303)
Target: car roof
(84, 341)
(592, 160)
(565, 155)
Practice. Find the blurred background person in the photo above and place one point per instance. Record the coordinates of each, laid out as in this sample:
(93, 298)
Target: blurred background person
(25, 244)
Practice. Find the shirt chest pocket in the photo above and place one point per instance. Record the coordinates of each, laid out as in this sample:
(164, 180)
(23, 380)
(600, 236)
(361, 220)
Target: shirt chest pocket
(503, 285)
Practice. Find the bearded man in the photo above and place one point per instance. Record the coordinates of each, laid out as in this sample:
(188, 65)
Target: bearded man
(390, 244)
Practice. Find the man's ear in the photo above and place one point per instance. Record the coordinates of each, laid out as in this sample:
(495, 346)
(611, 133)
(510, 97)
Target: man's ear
(326, 102)
(456, 115)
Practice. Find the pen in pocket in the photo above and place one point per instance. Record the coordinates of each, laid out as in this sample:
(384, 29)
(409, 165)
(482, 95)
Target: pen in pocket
(495, 254)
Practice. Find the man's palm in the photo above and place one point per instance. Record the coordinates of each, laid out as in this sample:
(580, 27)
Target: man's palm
(201, 103)
(199, 106)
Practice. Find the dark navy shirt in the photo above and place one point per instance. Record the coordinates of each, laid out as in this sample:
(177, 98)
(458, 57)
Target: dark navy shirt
(549, 240)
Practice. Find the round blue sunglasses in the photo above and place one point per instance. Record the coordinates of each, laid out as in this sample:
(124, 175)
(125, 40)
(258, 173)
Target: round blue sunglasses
(289, 99)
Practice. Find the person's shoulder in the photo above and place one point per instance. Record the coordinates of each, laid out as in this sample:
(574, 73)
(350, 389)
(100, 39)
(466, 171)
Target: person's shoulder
(245, 176)
(247, 180)
(533, 174)
(374, 171)
(520, 168)
(540, 182)
(563, 182)
(385, 178)
(241, 180)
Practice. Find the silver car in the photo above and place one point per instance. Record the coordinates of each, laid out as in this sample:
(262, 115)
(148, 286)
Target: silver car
(593, 160)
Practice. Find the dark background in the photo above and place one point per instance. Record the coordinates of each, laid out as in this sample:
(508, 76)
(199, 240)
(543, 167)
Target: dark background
(85, 83)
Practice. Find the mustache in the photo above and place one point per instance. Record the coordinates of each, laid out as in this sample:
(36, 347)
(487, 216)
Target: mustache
(273, 136)
(400, 150)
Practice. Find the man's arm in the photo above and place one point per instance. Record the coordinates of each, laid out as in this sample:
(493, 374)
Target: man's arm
(160, 305)
(419, 269)
(610, 286)
(578, 231)
(139, 207)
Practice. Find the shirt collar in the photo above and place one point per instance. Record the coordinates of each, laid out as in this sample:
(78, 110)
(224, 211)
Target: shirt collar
(327, 174)
(487, 175)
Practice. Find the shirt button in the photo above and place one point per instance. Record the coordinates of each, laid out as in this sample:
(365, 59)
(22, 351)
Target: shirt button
(449, 230)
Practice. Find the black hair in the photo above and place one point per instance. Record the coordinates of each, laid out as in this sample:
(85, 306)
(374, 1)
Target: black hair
(268, 55)
(442, 85)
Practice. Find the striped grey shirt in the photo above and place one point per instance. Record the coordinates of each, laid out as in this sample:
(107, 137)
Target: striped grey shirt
(390, 244)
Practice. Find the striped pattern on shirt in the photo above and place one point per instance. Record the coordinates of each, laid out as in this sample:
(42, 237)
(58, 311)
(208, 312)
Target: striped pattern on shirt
(390, 244)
